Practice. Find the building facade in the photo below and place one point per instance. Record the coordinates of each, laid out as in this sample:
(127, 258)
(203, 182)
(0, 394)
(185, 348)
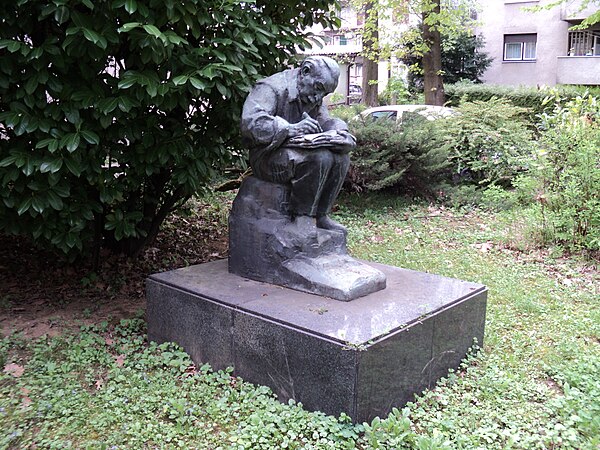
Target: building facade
(537, 47)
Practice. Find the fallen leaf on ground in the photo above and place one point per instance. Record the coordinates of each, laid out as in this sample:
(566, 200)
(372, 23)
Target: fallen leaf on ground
(25, 401)
(120, 360)
(484, 247)
(14, 369)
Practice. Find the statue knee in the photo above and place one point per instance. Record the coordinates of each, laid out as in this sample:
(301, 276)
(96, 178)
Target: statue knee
(323, 159)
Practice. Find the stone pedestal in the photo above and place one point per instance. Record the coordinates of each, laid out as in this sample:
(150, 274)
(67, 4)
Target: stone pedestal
(362, 357)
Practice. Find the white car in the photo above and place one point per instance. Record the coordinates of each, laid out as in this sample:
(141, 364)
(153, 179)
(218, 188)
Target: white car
(396, 112)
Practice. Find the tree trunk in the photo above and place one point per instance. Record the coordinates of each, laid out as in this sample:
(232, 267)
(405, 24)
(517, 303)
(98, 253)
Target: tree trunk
(370, 55)
(432, 60)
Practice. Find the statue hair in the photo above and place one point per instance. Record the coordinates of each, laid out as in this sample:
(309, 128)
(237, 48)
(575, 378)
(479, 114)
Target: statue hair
(322, 62)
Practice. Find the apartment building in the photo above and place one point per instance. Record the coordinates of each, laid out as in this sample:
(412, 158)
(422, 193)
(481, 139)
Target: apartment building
(538, 48)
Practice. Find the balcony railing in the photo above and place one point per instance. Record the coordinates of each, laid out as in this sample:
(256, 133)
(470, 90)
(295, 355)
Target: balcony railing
(584, 43)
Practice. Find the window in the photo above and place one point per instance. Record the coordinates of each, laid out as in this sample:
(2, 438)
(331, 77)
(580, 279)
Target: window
(520, 47)
(383, 115)
(340, 40)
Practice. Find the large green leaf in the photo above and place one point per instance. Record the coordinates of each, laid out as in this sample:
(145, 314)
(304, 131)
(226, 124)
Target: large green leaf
(103, 100)
(90, 136)
(70, 141)
(131, 6)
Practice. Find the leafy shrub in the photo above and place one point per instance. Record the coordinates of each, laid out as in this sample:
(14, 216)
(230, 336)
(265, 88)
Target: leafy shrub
(347, 113)
(569, 170)
(489, 142)
(114, 113)
(409, 157)
(395, 93)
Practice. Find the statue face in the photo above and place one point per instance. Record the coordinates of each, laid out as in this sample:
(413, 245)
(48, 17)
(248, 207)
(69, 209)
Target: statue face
(314, 84)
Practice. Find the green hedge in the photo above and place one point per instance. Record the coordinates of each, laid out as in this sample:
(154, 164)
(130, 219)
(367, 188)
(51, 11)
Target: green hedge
(530, 97)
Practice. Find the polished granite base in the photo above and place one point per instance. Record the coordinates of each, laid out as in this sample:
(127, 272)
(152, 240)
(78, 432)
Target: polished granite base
(362, 357)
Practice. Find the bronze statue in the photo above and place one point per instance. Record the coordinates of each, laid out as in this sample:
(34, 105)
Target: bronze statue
(293, 140)
(280, 231)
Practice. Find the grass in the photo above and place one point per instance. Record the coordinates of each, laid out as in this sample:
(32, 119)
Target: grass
(535, 384)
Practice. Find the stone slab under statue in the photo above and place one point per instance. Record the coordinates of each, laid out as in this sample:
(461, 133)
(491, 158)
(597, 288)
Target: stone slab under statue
(362, 358)
(280, 231)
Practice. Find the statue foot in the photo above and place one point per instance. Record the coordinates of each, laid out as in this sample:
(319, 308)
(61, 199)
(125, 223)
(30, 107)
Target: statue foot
(327, 223)
(305, 225)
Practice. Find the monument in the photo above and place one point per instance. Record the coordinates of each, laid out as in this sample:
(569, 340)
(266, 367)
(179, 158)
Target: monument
(290, 308)
(280, 231)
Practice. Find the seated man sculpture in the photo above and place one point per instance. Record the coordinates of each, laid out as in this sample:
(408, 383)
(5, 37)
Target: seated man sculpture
(280, 231)
(293, 140)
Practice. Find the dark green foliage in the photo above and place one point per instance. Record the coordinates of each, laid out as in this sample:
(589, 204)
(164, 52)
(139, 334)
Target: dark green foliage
(113, 113)
(411, 157)
(462, 60)
(489, 142)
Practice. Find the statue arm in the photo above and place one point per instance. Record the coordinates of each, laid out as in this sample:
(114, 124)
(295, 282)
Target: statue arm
(260, 126)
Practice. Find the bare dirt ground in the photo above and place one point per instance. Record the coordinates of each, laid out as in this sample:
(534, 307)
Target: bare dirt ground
(42, 294)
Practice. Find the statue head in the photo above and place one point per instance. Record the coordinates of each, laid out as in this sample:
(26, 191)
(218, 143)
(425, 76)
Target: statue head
(318, 77)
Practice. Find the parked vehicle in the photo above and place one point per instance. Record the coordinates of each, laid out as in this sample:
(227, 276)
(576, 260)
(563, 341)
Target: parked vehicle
(397, 112)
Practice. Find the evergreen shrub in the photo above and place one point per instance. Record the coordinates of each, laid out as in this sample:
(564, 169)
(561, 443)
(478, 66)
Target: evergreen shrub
(489, 142)
(114, 113)
(408, 157)
(530, 97)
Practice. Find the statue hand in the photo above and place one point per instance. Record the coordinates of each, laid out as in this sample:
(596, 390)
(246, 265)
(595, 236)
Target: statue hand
(306, 126)
(346, 142)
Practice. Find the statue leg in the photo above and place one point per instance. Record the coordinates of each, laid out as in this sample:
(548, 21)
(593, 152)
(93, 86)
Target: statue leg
(310, 182)
(315, 176)
(334, 182)
(332, 189)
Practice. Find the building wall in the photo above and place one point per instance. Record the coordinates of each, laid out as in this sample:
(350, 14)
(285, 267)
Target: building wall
(578, 70)
(502, 17)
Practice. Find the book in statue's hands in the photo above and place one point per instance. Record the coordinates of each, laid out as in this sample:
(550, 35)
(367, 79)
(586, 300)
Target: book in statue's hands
(309, 138)
(327, 139)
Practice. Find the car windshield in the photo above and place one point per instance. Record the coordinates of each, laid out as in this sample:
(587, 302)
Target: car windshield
(383, 115)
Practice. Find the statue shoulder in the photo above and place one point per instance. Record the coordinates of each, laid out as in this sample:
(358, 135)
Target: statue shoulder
(279, 81)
